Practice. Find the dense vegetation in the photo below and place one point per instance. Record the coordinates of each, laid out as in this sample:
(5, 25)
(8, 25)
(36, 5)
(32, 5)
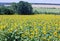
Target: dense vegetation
(26, 8)
(22, 7)
(30, 27)
(5, 10)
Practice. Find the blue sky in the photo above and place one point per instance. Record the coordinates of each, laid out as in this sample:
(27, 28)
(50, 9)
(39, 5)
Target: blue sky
(33, 1)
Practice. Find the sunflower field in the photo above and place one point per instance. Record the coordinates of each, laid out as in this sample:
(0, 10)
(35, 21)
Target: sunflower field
(30, 27)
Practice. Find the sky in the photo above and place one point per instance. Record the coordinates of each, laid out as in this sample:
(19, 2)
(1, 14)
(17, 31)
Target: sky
(33, 1)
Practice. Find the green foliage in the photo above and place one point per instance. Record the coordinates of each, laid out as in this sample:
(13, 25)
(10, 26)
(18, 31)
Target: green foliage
(14, 7)
(24, 8)
(1, 10)
(4, 36)
(7, 11)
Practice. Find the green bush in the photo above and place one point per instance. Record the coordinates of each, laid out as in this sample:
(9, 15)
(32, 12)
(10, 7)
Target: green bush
(7, 11)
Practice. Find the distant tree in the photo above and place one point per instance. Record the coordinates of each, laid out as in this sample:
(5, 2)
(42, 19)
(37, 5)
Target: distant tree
(7, 11)
(2, 10)
(24, 8)
(14, 7)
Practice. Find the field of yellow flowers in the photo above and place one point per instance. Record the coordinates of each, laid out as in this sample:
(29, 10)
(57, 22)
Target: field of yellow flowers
(30, 27)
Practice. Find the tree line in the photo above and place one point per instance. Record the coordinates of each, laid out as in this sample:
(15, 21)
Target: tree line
(23, 8)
